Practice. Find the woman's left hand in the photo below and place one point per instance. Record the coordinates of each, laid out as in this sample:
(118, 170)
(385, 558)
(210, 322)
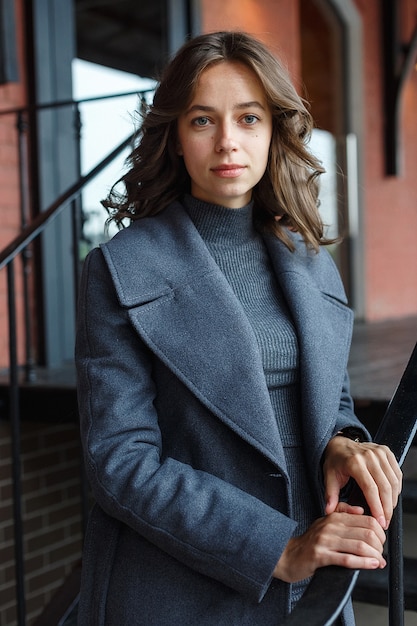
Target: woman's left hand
(374, 468)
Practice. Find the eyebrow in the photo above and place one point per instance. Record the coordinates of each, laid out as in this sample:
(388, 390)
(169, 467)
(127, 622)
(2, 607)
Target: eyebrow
(239, 106)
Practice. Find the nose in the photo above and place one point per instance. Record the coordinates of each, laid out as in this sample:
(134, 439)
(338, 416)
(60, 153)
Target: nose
(226, 139)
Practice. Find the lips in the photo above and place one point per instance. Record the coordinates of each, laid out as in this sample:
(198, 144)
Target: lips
(230, 170)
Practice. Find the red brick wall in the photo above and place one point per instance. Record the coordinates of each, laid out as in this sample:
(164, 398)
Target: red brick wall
(12, 95)
(9, 199)
(390, 202)
(275, 23)
(51, 511)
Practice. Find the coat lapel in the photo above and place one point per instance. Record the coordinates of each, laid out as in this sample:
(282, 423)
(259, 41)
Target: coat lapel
(184, 309)
(323, 320)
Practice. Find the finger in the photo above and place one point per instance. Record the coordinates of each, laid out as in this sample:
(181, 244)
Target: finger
(341, 528)
(361, 548)
(332, 492)
(371, 493)
(388, 492)
(349, 546)
(381, 483)
(368, 468)
(353, 561)
(392, 473)
(344, 507)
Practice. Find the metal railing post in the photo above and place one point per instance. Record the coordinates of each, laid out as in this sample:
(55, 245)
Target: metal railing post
(396, 604)
(76, 207)
(27, 252)
(15, 443)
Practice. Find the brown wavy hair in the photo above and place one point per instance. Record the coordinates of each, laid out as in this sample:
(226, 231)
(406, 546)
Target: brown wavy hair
(287, 195)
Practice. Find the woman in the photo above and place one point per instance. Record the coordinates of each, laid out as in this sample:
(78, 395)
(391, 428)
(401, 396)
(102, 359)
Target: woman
(212, 345)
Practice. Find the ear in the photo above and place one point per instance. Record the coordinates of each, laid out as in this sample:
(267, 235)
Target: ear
(179, 149)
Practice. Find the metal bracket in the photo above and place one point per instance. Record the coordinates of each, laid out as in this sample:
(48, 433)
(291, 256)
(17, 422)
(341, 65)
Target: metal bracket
(398, 64)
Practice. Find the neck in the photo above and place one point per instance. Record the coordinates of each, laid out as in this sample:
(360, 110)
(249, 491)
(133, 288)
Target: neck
(219, 223)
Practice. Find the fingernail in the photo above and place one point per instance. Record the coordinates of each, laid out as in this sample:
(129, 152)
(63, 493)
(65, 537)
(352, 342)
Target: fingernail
(383, 522)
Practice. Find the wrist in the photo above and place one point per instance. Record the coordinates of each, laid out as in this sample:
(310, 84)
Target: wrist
(355, 434)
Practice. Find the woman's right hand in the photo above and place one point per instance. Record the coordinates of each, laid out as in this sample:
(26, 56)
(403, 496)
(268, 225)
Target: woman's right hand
(347, 538)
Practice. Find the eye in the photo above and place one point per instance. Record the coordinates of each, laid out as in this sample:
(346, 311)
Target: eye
(201, 121)
(250, 119)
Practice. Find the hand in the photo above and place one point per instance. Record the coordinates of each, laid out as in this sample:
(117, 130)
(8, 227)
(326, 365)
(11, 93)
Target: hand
(372, 466)
(345, 537)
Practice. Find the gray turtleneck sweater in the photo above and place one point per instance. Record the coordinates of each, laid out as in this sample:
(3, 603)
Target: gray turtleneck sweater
(241, 254)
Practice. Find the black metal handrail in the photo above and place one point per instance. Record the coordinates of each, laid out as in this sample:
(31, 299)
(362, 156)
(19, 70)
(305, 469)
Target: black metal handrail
(72, 102)
(39, 223)
(23, 114)
(19, 245)
(331, 587)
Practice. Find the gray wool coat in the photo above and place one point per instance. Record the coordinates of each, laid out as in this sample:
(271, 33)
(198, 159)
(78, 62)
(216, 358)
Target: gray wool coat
(192, 506)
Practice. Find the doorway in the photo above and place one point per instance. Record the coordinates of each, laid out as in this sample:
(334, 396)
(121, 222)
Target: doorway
(331, 74)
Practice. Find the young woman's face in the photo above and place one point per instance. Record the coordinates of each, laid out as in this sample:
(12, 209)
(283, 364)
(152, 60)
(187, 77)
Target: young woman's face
(224, 135)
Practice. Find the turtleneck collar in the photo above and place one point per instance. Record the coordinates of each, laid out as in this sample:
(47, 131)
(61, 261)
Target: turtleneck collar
(218, 224)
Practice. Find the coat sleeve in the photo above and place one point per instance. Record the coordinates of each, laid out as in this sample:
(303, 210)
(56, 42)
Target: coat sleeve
(346, 417)
(208, 524)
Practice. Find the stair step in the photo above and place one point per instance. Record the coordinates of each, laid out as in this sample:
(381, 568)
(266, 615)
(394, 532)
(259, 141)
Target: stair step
(50, 397)
(372, 586)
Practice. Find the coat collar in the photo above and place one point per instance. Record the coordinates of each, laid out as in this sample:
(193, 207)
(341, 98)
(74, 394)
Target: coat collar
(180, 303)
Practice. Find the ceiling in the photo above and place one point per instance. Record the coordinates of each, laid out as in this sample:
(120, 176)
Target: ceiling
(129, 35)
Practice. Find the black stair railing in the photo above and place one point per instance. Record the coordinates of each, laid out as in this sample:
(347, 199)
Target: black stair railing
(22, 116)
(331, 587)
(21, 246)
